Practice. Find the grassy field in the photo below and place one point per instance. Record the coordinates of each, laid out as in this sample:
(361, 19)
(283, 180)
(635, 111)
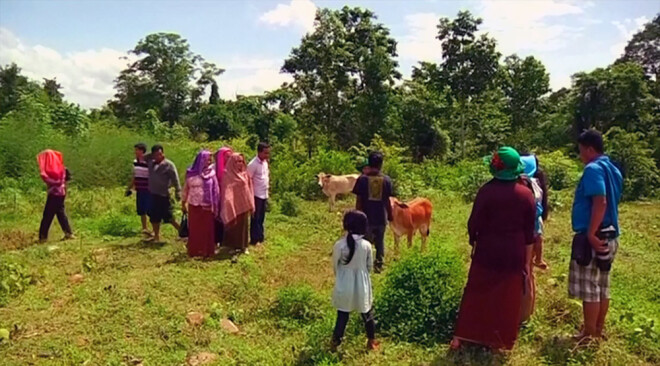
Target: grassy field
(130, 307)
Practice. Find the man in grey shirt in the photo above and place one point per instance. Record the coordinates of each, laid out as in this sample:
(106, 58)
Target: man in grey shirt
(162, 176)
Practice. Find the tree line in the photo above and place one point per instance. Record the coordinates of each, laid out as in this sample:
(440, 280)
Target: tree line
(346, 89)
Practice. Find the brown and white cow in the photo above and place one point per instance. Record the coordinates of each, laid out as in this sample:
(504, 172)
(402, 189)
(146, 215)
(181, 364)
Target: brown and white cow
(410, 217)
(332, 185)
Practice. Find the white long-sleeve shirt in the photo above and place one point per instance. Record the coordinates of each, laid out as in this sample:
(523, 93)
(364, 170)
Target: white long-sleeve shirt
(260, 174)
(352, 290)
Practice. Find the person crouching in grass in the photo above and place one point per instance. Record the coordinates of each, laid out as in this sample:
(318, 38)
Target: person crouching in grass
(352, 262)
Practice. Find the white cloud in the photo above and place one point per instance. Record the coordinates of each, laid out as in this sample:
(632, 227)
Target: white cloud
(87, 77)
(300, 13)
(627, 28)
(255, 82)
(419, 43)
(520, 25)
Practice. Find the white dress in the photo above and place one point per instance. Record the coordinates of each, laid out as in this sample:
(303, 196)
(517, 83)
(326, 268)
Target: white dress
(352, 290)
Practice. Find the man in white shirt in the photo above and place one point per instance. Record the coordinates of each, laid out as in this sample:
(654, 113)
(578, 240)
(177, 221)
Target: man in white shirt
(260, 175)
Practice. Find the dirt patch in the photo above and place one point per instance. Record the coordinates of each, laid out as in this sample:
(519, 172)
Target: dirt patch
(14, 239)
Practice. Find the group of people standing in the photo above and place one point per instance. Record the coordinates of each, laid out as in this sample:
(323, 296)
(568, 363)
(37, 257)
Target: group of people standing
(222, 194)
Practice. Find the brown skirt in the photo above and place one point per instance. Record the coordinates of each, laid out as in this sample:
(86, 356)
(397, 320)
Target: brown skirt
(201, 232)
(236, 235)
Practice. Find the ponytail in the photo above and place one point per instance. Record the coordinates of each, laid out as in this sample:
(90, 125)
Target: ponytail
(355, 223)
(350, 241)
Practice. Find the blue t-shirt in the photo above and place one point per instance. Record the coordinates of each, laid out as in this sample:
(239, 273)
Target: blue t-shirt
(596, 181)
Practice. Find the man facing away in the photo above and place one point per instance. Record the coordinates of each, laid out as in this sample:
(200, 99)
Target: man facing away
(595, 214)
(259, 172)
(162, 176)
(373, 190)
(140, 182)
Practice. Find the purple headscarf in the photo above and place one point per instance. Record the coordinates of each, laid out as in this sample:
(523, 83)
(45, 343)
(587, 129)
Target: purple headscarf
(202, 168)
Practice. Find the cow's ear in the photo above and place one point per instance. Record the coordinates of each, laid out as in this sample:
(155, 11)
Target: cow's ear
(328, 176)
(402, 205)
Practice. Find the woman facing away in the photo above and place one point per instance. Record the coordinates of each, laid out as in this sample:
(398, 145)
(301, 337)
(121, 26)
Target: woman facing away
(55, 175)
(221, 157)
(200, 198)
(352, 261)
(237, 199)
(501, 231)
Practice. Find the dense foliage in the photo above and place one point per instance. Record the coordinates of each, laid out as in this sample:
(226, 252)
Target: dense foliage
(346, 98)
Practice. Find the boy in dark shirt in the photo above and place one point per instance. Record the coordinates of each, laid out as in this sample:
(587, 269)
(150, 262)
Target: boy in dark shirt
(373, 191)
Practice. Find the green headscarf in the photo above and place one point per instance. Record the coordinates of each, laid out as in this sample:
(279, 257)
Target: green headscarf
(361, 163)
(505, 164)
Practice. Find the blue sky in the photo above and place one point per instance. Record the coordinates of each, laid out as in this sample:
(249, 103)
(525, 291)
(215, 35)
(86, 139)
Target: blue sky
(81, 42)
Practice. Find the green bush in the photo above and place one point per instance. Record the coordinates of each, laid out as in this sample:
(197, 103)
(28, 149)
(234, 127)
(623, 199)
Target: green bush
(316, 350)
(118, 225)
(14, 279)
(562, 171)
(299, 304)
(420, 295)
(289, 204)
(471, 176)
(632, 153)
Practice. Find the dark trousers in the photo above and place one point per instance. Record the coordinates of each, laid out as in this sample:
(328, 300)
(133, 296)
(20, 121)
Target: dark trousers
(376, 235)
(54, 206)
(342, 320)
(257, 222)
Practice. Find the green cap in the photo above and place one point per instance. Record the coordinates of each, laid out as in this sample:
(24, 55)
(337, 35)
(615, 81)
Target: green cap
(505, 164)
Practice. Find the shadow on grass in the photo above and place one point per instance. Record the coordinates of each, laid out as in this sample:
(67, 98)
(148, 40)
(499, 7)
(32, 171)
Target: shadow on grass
(222, 254)
(470, 355)
(565, 350)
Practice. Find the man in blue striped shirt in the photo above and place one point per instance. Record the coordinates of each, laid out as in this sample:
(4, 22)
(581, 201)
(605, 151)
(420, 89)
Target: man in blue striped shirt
(140, 182)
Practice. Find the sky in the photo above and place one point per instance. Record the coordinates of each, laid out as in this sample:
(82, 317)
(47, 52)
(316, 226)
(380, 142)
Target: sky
(82, 43)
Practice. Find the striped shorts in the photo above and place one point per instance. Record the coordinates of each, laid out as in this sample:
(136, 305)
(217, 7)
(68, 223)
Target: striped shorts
(589, 283)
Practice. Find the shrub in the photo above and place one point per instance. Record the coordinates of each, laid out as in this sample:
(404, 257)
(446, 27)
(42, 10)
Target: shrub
(420, 295)
(562, 171)
(289, 204)
(117, 225)
(632, 153)
(316, 350)
(472, 175)
(298, 304)
(14, 280)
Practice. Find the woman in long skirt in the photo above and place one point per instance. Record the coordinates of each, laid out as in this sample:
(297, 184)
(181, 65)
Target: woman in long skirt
(221, 157)
(200, 198)
(501, 230)
(237, 203)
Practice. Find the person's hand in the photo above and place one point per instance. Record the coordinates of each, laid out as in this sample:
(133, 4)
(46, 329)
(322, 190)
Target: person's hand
(128, 193)
(184, 209)
(596, 243)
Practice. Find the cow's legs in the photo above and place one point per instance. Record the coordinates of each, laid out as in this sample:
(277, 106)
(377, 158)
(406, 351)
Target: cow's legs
(331, 201)
(410, 238)
(397, 239)
(424, 231)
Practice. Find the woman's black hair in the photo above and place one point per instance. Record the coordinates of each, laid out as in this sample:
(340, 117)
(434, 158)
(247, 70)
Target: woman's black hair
(355, 223)
(543, 182)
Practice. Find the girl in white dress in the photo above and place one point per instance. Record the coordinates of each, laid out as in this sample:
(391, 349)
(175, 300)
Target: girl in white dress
(352, 261)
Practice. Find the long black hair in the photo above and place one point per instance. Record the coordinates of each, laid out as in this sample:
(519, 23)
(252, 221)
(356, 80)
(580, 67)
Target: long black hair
(355, 223)
(543, 182)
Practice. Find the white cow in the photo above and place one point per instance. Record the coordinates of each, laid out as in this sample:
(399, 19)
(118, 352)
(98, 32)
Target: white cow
(332, 185)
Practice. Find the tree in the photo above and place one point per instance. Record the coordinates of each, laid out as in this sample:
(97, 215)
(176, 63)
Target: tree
(614, 96)
(162, 79)
(524, 83)
(344, 71)
(469, 64)
(11, 83)
(644, 49)
(215, 95)
(52, 89)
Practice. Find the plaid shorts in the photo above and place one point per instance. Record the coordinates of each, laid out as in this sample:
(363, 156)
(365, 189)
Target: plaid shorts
(589, 283)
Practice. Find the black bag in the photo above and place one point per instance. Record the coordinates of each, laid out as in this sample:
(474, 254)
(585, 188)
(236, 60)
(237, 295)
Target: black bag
(183, 231)
(581, 251)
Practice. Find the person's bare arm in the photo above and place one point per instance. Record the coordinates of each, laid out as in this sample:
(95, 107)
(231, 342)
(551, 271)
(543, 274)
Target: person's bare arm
(598, 208)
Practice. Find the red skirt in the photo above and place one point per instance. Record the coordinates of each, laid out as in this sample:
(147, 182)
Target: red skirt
(201, 232)
(491, 307)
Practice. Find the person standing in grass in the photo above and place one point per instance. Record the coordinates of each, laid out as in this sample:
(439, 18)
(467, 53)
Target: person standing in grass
(351, 263)
(140, 182)
(201, 198)
(259, 172)
(162, 176)
(221, 157)
(55, 175)
(373, 190)
(539, 184)
(501, 233)
(595, 219)
(237, 199)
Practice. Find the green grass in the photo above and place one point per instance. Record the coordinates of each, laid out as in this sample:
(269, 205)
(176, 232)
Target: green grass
(134, 297)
